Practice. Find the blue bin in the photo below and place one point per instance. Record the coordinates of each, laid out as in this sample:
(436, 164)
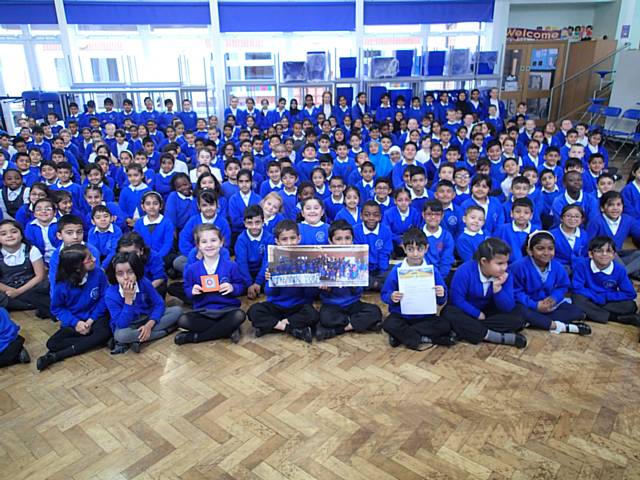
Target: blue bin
(348, 67)
(435, 63)
(405, 59)
(49, 102)
(31, 105)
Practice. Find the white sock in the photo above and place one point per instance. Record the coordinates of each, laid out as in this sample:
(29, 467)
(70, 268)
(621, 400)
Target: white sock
(561, 327)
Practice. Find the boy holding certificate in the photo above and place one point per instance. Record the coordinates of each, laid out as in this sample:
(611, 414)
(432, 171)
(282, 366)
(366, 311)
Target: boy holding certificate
(404, 325)
(342, 311)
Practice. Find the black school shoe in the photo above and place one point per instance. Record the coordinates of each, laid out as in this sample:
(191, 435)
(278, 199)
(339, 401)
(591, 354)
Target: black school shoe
(119, 348)
(521, 340)
(235, 336)
(446, 341)
(45, 361)
(181, 338)
(583, 328)
(323, 333)
(135, 347)
(632, 319)
(394, 342)
(302, 334)
(24, 356)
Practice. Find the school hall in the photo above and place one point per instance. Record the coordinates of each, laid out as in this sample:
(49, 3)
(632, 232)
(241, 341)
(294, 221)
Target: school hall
(356, 239)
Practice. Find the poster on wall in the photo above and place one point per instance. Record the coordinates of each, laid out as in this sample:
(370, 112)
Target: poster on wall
(577, 32)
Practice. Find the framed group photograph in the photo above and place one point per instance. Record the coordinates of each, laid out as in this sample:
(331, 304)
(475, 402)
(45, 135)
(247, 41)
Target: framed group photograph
(319, 265)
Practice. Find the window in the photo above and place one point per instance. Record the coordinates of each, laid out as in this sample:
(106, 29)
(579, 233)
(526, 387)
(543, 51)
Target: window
(14, 70)
(105, 70)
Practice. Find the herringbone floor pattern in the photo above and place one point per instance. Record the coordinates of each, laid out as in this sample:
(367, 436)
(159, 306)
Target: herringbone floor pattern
(567, 407)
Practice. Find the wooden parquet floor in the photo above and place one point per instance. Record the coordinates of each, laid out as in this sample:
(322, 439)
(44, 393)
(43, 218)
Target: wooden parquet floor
(566, 407)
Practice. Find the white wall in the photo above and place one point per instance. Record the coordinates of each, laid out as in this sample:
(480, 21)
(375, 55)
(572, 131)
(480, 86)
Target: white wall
(533, 16)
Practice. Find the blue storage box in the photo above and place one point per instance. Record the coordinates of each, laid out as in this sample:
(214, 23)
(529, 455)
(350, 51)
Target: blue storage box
(435, 63)
(405, 61)
(31, 104)
(348, 67)
(487, 63)
(49, 102)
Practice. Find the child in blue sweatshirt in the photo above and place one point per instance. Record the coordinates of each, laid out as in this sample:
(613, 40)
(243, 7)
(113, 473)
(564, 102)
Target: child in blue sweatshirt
(571, 239)
(482, 305)
(313, 231)
(480, 188)
(472, 235)
(239, 201)
(540, 285)
(287, 309)
(401, 218)
(104, 235)
(131, 195)
(179, 202)
(41, 231)
(208, 206)
(65, 172)
(93, 197)
(156, 229)
(251, 250)
(515, 232)
(137, 311)
(601, 287)
(341, 310)
(631, 192)
(216, 313)
(379, 238)
(12, 349)
(441, 243)
(78, 303)
(414, 331)
(618, 226)
(132, 242)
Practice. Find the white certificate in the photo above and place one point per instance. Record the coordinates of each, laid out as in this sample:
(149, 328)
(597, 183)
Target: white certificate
(417, 285)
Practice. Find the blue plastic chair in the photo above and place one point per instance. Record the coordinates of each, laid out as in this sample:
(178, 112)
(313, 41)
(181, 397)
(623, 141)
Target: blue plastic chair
(612, 113)
(632, 114)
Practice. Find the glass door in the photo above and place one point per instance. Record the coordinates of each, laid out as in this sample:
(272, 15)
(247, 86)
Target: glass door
(542, 73)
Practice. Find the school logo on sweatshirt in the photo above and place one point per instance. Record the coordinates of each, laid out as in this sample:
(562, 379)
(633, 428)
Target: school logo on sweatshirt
(320, 237)
(452, 220)
(610, 285)
(379, 244)
(95, 293)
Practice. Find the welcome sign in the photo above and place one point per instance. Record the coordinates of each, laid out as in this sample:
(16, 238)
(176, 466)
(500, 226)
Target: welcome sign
(531, 34)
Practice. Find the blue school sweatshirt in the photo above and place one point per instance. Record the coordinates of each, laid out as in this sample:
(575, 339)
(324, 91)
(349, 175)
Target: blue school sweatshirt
(467, 244)
(185, 238)
(251, 256)
(267, 187)
(314, 234)
(565, 254)
(116, 211)
(289, 297)
(131, 199)
(289, 202)
(342, 297)
(631, 198)
(366, 191)
(602, 286)
(380, 242)
(345, 214)
(236, 209)
(162, 184)
(331, 207)
(344, 168)
(494, 213)
(105, 242)
(161, 240)
(178, 209)
(548, 198)
(506, 212)
(528, 286)
(452, 220)
(33, 232)
(391, 285)
(627, 226)
(304, 169)
(588, 203)
(227, 272)
(8, 330)
(440, 251)
(397, 225)
(70, 304)
(76, 192)
(146, 302)
(270, 224)
(515, 238)
(467, 292)
(154, 268)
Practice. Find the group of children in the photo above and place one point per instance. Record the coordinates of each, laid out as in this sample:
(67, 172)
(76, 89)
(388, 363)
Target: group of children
(523, 226)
